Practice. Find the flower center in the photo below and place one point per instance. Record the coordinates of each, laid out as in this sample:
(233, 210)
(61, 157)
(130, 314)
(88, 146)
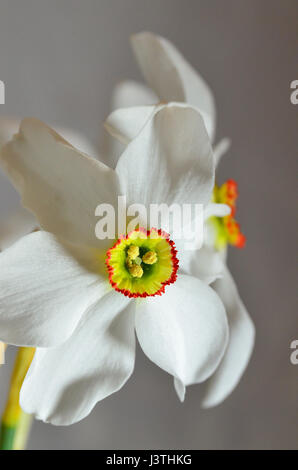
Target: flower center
(227, 229)
(142, 263)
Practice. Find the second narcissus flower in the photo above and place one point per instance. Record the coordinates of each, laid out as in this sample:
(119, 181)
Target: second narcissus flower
(80, 300)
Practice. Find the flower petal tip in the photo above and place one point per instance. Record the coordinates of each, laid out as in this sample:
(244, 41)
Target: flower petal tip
(180, 389)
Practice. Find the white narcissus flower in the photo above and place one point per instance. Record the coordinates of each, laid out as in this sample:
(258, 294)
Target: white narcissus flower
(172, 78)
(57, 294)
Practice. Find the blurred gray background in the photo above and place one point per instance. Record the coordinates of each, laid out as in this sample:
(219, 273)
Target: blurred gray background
(60, 61)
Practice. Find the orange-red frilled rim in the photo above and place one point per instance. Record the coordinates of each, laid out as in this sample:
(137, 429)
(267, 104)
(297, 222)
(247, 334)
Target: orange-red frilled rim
(227, 228)
(142, 263)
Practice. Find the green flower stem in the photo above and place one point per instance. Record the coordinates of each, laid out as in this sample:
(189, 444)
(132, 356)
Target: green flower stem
(15, 426)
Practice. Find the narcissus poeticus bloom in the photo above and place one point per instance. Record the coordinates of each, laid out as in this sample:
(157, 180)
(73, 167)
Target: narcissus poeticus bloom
(171, 78)
(80, 300)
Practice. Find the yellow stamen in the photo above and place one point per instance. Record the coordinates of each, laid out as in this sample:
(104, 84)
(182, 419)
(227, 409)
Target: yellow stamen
(136, 270)
(150, 257)
(133, 252)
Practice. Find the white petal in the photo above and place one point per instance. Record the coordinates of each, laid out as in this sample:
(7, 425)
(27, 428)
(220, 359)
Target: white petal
(205, 264)
(124, 124)
(19, 223)
(126, 94)
(184, 331)
(180, 389)
(240, 346)
(45, 287)
(170, 161)
(220, 149)
(77, 141)
(60, 185)
(64, 383)
(171, 76)
(10, 126)
(216, 210)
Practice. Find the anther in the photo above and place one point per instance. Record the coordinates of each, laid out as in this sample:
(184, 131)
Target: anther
(150, 257)
(133, 251)
(136, 270)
